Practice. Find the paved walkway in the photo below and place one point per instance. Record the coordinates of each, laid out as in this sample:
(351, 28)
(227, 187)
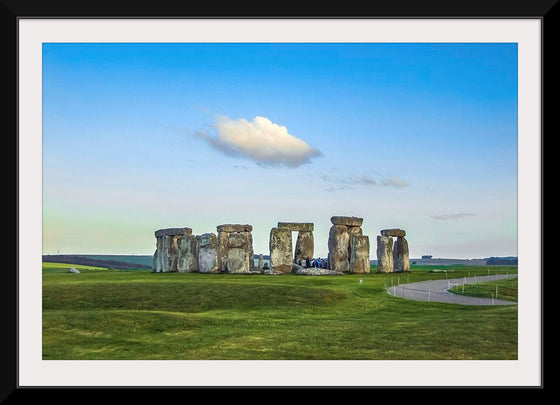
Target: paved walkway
(436, 291)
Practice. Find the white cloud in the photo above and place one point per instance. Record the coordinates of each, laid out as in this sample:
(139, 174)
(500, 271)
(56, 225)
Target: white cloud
(344, 183)
(261, 140)
(394, 182)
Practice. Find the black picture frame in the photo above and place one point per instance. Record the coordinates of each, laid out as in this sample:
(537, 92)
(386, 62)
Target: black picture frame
(12, 10)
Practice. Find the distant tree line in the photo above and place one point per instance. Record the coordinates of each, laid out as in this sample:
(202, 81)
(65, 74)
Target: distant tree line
(88, 261)
(501, 261)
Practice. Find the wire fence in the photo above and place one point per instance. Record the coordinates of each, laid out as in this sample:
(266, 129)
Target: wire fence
(438, 291)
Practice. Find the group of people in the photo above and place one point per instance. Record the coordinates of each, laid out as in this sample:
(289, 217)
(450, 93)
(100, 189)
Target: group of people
(316, 262)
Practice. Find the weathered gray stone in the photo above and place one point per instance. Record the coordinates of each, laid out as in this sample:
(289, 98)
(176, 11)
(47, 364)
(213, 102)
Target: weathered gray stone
(173, 232)
(355, 230)
(359, 254)
(234, 228)
(73, 270)
(297, 226)
(338, 248)
(155, 262)
(393, 232)
(401, 261)
(239, 247)
(304, 246)
(280, 246)
(166, 260)
(312, 271)
(223, 238)
(209, 260)
(348, 221)
(261, 261)
(251, 253)
(238, 261)
(239, 240)
(384, 254)
(187, 253)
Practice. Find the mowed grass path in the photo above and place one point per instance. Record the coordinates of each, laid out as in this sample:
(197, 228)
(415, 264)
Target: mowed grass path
(121, 315)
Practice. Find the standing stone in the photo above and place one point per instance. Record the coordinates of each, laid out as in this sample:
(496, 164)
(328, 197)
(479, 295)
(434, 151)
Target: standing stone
(352, 230)
(165, 258)
(359, 256)
(384, 254)
(251, 252)
(261, 261)
(280, 246)
(209, 260)
(155, 262)
(224, 233)
(240, 251)
(338, 248)
(168, 248)
(223, 250)
(304, 246)
(401, 262)
(187, 253)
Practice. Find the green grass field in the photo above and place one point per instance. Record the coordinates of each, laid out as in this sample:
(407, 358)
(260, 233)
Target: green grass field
(122, 315)
(502, 289)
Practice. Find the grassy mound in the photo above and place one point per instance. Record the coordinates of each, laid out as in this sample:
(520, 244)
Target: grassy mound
(111, 314)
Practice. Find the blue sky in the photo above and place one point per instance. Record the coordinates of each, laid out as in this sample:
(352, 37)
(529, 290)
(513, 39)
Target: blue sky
(138, 137)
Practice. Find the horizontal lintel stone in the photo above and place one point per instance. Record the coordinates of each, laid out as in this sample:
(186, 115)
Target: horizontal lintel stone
(234, 228)
(393, 232)
(173, 232)
(348, 221)
(296, 226)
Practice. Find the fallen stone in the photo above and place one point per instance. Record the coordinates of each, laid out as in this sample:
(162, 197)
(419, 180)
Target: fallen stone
(393, 232)
(296, 226)
(73, 270)
(347, 221)
(271, 272)
(312, 271)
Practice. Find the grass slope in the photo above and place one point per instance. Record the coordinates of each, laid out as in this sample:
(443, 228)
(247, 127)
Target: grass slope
(110, 314)
(502, 289)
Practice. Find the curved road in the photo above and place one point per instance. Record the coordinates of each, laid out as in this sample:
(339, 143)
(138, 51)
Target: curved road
(436, 291)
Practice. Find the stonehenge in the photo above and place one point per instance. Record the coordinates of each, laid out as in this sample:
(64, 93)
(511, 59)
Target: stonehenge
(348, 247)
(170, 250)
(280, 245)
(392, 257)
(178, 250)
(230, 250)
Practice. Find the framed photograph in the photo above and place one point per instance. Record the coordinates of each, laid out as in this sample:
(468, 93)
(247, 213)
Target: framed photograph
(369, 153)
